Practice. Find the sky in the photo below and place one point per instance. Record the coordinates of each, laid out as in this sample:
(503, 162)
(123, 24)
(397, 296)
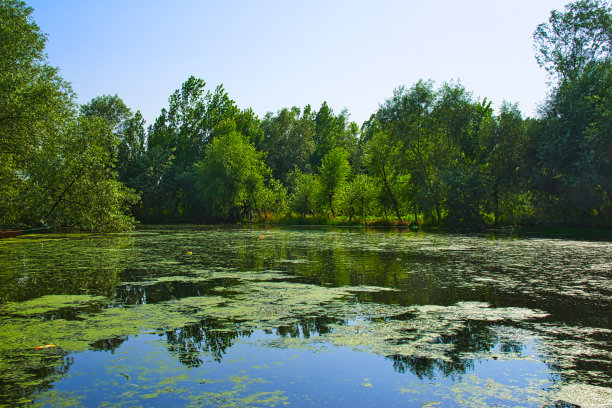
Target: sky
(274, 54)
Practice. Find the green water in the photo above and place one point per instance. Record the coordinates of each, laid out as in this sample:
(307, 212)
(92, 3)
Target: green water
(232, 317)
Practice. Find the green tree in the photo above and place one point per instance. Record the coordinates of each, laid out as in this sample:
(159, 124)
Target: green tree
(34, 102)
(461, 165)
(55, 169)
(332, 174)
(359, 197)
(506, 169)
(184, 130)
(573, 39)
(76, 184)
(289, 140)
(230, 177)
(128, 136)
(114, 112)
(332, 131)
(576, 46)
(573, 172)
(271, 199)
(408, 119)
(304, 199)
(597, 133)
(382, 155)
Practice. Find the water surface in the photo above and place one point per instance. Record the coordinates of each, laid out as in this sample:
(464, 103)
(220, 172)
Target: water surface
(218, 316)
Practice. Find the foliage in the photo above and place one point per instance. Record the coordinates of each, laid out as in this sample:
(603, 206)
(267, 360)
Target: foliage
(573, 144)
(182, 132)
(382, 157)
(359, 197)
(58, 167)
(289, 140)
(573, 141)
(305, 197)
(433, 155)
(332, 176)
(231, 179)
(574, 39)
(72, 184)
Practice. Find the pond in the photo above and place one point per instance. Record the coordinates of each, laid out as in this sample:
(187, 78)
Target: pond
(252, 317)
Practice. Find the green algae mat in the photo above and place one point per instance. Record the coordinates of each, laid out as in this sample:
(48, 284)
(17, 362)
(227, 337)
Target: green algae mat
(250, 317)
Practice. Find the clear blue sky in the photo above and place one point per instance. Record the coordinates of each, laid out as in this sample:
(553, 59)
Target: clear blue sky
(281, 53)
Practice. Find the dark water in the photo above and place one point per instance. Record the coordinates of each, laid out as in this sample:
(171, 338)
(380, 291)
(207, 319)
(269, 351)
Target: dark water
(233, 317)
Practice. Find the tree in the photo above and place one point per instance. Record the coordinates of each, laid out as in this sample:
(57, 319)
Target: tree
(383, 155)
(574, 170)
(573, 39)
(332, 174)
(127, 138)
(34, 102)
(73, 184)
(506, 170)
(359, 197)
(230, 177)
(184, 130)
(289, 140)
(271, 199)
(574, 134)
(54, 169)
(408, 119)
(304, 199)
(461, 166)
(111, 108)
(332, 131)
(597, 133)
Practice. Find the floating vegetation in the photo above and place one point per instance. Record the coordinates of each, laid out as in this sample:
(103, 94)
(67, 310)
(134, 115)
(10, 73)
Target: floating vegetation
(427, 333)
(584, 395)
(364, 288)
(435, 306)
(50, 303)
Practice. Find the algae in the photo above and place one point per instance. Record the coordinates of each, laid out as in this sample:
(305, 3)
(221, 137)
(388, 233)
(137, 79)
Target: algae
(432, 305)
(50, 303)
(584, 395)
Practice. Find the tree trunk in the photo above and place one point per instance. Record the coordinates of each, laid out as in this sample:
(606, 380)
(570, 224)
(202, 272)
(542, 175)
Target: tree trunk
(331, 207)
(393, 200)
(496, 203)
(61, 196)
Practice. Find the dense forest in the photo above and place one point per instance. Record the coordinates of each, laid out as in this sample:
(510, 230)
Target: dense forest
(430, 155)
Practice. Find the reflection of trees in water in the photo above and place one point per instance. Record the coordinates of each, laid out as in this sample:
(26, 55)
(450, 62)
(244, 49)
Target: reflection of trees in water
(429, 368)
(210, 336)
(214, 337)
(33, 267)
(135, 294)
(473, 338)
(427, 277)
(24, 285)
(110, 344)
(307, 326)
(73, 312)
(29, 373)
(590, 364)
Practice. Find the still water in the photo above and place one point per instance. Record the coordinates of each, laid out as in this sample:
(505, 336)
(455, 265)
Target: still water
(246, 317)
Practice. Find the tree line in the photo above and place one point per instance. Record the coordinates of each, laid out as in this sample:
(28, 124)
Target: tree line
(431, 154)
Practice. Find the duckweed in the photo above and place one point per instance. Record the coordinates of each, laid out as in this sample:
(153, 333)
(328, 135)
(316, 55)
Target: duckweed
(441, 308)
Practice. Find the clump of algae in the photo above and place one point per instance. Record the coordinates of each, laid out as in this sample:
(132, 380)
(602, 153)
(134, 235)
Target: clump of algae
(49, 303)
(239, 397)
(584, 395)
(421, 335)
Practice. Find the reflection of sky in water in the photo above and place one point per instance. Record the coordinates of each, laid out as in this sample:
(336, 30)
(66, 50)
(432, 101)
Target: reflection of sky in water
(141, 370)
(459, 320)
